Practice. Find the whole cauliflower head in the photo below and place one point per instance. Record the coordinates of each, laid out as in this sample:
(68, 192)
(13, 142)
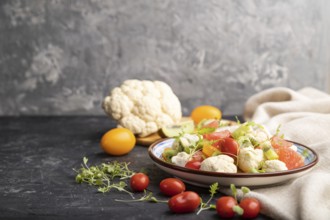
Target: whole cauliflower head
(143, 106)
(273, 166)
(250, 159)
(220, 163)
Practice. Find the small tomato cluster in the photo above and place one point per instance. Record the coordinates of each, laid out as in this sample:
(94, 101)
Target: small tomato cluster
(182, 201)
(228, 206)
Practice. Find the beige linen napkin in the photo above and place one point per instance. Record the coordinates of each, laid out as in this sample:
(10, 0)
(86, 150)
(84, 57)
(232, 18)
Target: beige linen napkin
(304, 117)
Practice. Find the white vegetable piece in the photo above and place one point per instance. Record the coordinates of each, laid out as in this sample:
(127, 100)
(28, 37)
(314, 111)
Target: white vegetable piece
(189, 139)
(294, 147)
(220, 163)
(180, 159)
(261, 134)
(143, 106)
(250, 159)
(273, 166)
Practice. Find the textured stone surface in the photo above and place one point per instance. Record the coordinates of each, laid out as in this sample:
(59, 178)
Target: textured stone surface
(38, 162)
(62, 57)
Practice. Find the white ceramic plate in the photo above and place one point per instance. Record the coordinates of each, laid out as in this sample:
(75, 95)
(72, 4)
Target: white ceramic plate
(205, 178)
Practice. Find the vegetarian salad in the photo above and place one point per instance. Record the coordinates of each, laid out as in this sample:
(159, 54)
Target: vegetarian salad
(248, 148)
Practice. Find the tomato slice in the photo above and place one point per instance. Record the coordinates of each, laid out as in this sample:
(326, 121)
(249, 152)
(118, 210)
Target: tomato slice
(217, 135)
(213, 124)
(198, 156)
(229, 146)
(193, 164)
(278, 142)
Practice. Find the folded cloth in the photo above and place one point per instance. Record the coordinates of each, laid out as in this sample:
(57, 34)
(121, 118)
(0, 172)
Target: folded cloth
(304, 117)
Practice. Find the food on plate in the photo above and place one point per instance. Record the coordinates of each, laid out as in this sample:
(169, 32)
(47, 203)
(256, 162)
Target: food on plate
(172, 186)
(118, 141)
(173, 130)
(143, 106)
(247, 148)
(219, 163)
(205, 112)
(250, 159)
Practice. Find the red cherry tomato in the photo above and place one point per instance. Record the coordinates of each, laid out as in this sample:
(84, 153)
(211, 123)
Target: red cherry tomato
(184, 202)
(139, 182)
(217, 135)
(225, 206)
(193, 164)
(251, 207)
(230, 146)
(172, 186)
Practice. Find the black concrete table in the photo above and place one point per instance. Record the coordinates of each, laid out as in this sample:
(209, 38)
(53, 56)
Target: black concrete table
(37, 181)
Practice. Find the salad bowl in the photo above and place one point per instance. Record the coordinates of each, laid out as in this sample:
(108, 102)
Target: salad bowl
(206, 178)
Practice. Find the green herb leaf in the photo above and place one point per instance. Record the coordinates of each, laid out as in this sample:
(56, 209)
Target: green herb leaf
(234, 191)
(213, 190)
(85, 160)
(237, 209)
(245, 190)
(205, 130)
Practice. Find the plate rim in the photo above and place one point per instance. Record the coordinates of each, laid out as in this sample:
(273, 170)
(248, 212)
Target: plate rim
(232, 175)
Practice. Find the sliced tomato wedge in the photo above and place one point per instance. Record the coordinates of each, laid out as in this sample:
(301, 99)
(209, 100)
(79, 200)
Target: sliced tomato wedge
(213, 124)
(198, 156)
(193, 164)
(218, 135)
(278, 142)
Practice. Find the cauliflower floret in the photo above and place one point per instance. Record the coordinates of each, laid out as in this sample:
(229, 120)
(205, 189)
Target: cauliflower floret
(189, 139)
(261, 134)
(250, 159)
(294, 147)
(143, 106)
(273, 166)
(220, 163)
(180, 159)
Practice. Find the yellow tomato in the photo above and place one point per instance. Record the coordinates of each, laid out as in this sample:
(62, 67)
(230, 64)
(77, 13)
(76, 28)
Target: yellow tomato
(205, 112)
(118, 141)
(210, 150)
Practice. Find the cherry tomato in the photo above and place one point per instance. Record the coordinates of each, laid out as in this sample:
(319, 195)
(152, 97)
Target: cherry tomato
(230, 146)
(172, 186)
(184, 202)
(139, 182)
(193, 164)
(251, 207)
(217, 135)
(118, 141)
(205, 112)
(225, 206)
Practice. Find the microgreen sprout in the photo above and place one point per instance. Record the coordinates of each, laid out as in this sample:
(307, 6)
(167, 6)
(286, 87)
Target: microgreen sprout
(213, 190)
(147, 197)
(103, 176)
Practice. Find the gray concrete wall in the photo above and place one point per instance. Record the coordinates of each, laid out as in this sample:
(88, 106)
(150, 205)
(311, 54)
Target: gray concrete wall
(62, 57)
